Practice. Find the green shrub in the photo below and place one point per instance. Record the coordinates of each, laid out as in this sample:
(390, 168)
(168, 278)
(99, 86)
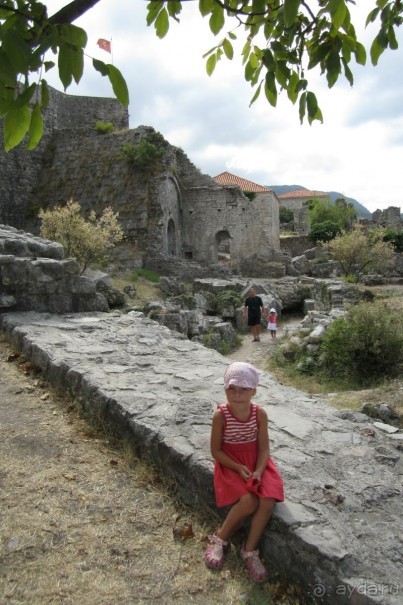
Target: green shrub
(250, 195)
(324, 232)
(395, 237)
(145, 155)
(364, 346)
(148, 274)
(286, 215)
(225, 298)
(104, 127)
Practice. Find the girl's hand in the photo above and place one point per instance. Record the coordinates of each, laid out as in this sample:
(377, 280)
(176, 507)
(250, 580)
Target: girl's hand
(244, 472)
(256, 475)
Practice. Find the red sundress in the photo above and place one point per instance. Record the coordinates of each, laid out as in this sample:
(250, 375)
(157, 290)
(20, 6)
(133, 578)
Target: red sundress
(228, 484)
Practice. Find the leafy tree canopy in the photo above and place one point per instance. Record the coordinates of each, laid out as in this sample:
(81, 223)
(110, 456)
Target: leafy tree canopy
(283, 40)
(27, 34)
(321, 212)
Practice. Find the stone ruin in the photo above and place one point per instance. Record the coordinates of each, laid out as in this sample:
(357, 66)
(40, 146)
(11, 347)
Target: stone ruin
(169, 213)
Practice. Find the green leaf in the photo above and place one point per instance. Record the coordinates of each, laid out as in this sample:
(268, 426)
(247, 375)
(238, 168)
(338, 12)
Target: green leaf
(100, 66)
(360, 54)
(393, 44)
(292, 87)
(228, 49)
(348, 73)
(119, 85)
(339, 14)
(44, 93)
(256, 95)
(282, 74)
(24, 95)
(206, 7)
(333, 68)
(35, 131)
(302, 107)
(174, 9)
(270, 89)
(378, 46)
(64, 66)
(16, 49)
(290, 11)
(211, 64)
(217, 19)
(153, 9)
(7, 72)
(162, 23)
(314, 113)
(372, 16)
(16, 124)
(268, 59)
(74, 35)
(48, 65)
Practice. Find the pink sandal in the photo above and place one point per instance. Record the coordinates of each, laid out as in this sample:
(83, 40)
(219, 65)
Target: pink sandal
(214, 555)
(257, 570)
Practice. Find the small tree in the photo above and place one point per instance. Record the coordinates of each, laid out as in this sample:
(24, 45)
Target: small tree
(357, 252)
(365, 345)
(86, 240)
(321, 211)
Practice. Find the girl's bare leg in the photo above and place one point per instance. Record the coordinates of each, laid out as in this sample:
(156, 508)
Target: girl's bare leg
(244, 508)
(259, 520)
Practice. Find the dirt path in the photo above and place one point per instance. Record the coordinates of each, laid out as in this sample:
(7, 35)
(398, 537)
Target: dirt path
(82, 523)
(257, 352)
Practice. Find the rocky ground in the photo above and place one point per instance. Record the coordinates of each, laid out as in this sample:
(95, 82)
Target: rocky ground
(82, 522)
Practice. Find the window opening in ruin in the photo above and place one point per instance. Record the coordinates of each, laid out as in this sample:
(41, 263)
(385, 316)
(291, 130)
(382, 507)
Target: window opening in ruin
(223, 248)
(171, 239)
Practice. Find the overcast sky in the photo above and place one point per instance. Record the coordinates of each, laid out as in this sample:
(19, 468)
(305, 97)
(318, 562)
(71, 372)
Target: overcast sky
(357, 151)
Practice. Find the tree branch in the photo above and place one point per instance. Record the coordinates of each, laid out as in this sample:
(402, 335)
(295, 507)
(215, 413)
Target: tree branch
(72, 11)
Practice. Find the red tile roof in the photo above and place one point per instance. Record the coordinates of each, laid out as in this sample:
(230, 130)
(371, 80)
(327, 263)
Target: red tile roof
(226, 179)
(301, 193)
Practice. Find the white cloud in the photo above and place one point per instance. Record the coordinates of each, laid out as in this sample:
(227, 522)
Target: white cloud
(357, 151)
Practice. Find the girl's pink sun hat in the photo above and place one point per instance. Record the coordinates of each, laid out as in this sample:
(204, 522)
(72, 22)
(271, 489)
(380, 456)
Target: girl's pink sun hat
(242, 375)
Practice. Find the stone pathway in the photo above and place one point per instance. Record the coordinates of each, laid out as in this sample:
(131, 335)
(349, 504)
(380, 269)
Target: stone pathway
(339, 532)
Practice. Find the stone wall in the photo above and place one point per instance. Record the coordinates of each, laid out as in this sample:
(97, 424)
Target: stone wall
(169, 210)
(20, 170)
(296, 245)
(34, 276)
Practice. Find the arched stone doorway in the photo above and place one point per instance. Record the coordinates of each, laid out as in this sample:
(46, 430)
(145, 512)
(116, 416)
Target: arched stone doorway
(223, 247)
(171, 238)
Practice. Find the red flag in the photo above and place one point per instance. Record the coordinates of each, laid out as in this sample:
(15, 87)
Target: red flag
(104, 44)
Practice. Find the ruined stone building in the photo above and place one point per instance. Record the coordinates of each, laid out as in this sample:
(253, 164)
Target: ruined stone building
(168, 212)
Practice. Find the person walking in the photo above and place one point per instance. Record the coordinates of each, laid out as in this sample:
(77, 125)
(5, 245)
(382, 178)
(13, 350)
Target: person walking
(272, 322)
(245, 476)
(255, 307)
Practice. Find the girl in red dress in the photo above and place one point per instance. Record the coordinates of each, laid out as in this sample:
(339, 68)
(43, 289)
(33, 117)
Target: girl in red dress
(244, 474)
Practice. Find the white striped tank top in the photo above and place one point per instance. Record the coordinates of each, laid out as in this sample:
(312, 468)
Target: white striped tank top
(236, 431)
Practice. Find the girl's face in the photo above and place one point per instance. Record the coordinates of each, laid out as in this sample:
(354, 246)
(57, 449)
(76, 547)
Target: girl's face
(239, 395)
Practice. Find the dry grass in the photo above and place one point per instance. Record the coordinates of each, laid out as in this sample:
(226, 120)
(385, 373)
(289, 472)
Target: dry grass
(84, 522)
(146, 291)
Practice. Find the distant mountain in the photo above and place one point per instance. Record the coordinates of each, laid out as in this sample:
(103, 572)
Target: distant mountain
(334, 195)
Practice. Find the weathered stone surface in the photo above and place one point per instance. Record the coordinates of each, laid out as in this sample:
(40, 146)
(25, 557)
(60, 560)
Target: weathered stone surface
(338, 531)
(36, 277)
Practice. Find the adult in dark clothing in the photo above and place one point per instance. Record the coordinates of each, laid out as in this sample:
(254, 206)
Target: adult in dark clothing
(255, 307)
